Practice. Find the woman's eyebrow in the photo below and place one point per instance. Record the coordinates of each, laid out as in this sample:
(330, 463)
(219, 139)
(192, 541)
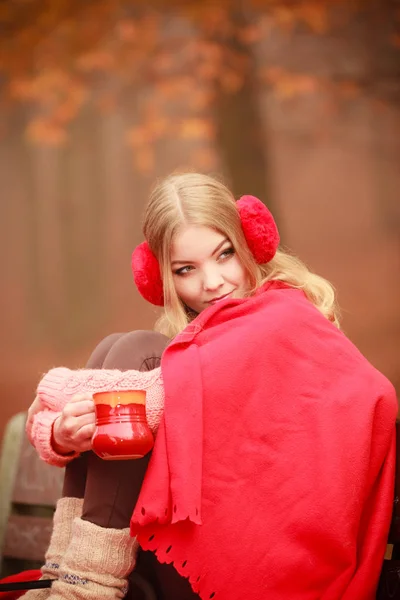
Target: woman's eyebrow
(185, 262)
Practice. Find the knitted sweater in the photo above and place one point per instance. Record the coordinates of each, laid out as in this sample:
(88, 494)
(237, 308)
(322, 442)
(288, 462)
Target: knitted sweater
(59, 385)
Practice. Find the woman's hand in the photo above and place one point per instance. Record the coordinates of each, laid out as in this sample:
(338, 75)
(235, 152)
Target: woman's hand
(34, 408)
(74, 428)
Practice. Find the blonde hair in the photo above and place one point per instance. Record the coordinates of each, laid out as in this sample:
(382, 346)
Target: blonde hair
(197, 199)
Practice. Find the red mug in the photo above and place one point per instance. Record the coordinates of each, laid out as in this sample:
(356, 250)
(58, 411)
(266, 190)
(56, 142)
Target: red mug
(122, 432)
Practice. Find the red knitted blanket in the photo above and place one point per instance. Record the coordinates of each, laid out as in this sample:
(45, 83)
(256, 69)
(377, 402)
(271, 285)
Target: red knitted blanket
(272, 473)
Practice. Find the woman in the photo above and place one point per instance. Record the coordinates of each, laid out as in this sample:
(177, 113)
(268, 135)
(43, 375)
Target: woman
(272, 472)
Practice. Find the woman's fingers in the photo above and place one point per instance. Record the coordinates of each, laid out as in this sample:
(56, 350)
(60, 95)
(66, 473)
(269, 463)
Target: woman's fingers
(74, 428)
(84, 437)
(80, 404)
(34, 408)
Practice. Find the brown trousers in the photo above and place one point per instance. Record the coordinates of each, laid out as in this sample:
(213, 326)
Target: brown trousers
(110, 489)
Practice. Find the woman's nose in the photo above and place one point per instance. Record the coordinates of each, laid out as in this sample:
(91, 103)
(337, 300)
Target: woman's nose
(212, 280)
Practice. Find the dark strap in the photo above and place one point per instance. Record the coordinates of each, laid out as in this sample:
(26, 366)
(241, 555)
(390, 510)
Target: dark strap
(25, 585)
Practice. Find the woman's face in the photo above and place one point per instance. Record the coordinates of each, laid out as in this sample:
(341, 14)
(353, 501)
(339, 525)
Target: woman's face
(205, 267)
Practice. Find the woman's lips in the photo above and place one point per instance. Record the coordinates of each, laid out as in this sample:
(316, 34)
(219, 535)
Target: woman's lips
(215, 300)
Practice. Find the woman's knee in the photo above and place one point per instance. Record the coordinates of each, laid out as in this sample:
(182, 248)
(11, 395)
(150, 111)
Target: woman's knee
(140, 350)
(99, 354)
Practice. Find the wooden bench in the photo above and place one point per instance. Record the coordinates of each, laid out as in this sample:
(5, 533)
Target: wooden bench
(30, 489)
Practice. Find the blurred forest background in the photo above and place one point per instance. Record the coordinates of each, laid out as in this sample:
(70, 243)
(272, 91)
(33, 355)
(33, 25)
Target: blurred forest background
(297, 102)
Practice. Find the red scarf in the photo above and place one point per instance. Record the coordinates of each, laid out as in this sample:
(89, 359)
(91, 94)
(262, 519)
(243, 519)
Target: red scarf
(272, 473)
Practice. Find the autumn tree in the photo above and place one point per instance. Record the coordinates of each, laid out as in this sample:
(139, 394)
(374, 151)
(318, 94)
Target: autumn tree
(203, 58)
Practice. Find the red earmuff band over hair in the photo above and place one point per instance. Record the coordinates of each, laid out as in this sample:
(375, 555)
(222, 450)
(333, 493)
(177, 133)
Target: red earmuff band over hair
(147, 275)
(259, 229)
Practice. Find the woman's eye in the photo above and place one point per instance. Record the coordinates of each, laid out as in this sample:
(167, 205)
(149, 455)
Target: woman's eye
(226, 253)
(189, 268)
(183, 270)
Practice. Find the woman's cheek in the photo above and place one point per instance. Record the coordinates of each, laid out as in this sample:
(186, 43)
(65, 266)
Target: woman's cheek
(186, 287)
(236, 270)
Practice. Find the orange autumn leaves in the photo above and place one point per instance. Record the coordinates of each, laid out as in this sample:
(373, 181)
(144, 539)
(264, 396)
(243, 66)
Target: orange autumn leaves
(163, 68)
(58, 97)
(143, 140)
